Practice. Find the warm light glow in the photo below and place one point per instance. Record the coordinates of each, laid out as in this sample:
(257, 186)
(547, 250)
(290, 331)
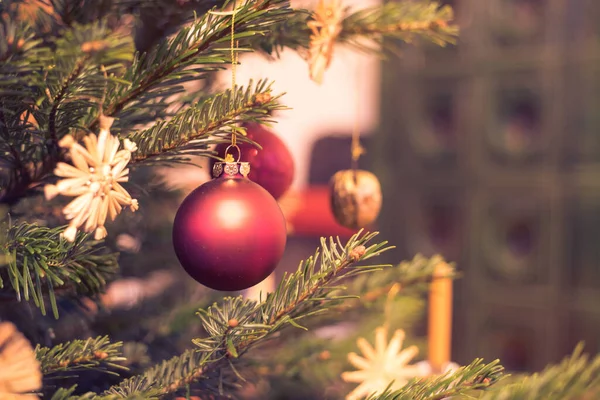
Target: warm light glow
(232, 214)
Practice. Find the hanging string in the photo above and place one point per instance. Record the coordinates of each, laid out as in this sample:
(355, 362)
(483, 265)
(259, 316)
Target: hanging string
(233, 68)
(234, 60)
(356, 150)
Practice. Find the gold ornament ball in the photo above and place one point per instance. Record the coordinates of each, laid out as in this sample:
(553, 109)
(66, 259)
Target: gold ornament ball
(355, 198)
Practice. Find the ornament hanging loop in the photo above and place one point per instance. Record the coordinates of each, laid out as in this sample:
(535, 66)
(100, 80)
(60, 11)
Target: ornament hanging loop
(229, 157)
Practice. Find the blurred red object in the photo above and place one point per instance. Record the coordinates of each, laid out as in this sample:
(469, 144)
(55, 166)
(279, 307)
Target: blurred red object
(272, 167)
(308, 213)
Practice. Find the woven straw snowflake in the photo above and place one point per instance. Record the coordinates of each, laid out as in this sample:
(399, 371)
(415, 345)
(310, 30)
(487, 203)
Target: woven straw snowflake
(19, 369)
(325, 27)
(94, 180)
(381, 366)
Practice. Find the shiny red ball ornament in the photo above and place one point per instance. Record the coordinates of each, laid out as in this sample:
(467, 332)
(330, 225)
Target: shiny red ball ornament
(272, 167)
(229, 234)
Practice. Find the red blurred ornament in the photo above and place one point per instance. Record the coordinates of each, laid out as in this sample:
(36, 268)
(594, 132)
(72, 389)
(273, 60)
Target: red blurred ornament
(229, 234)
(272, 167)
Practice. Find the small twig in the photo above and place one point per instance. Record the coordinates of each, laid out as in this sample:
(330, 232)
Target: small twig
(139, 157)
(69, 364)
(160, 73)
(79, 65)
(216, 364)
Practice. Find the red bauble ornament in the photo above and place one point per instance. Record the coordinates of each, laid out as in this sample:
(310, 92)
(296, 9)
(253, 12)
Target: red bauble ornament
(272, 167)
(229, 234)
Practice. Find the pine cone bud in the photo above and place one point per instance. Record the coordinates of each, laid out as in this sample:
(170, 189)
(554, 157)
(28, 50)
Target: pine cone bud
(100, 355)
(262, 98)
(94, 46)
(357, 253)
(233, 323)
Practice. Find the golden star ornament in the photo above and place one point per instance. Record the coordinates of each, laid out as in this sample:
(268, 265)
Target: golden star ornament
(385, 365)
(325, 27)
(94, 180)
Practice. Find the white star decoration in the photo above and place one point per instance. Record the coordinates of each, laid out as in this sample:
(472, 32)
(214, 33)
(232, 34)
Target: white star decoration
(19, 370)
(381, 366)
(94, 180)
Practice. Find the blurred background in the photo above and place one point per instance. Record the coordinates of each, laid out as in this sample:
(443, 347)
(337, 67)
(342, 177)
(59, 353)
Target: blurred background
(489, 154)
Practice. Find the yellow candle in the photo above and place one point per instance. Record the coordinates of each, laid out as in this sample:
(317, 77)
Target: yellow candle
(440, 317)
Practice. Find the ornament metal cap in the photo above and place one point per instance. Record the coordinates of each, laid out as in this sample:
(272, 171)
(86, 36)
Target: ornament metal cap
(231, 169)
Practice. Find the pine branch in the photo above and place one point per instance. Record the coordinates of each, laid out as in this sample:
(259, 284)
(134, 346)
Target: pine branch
(153, 76)
(188, 132)
(79, 66)
(97, 354)
(20, 49)
(42, 263)
(576, 377)
(459, 384)
(51, 99)
(411, 275)
(404, 20)
(369, 29)
(236, 325)
(200, 45)
(88, 62)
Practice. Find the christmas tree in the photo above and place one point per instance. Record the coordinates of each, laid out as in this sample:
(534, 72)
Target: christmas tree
(96, 97)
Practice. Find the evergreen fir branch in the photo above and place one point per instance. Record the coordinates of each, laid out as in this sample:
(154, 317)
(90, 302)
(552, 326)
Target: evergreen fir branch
(292, 33)
(42, 263)
(188, 132)
(576, 377)
(53, 98)
(405, 20)
(194, 51)
(236, 325)
(88, 60)
(477, 376)
(17, 39)
(77, 69)
(369, 29)
(97, 354)
(308, 291)
(166, 377)
(413, 275)
(22, 56)
(65, 393)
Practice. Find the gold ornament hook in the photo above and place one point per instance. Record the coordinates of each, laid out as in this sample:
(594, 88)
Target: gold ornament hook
(229, 157)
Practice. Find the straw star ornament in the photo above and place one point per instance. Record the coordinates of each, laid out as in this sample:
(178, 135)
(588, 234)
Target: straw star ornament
(325, 27)
(94, 180)
(19, 369)
(381, 366)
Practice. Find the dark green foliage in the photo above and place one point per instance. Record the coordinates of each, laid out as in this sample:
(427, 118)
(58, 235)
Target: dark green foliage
(195, 51)
(576, 377)
(41, 263)
(236, 325)
(405, 21)
(461, 383)
(193, 129)
(98, 353)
